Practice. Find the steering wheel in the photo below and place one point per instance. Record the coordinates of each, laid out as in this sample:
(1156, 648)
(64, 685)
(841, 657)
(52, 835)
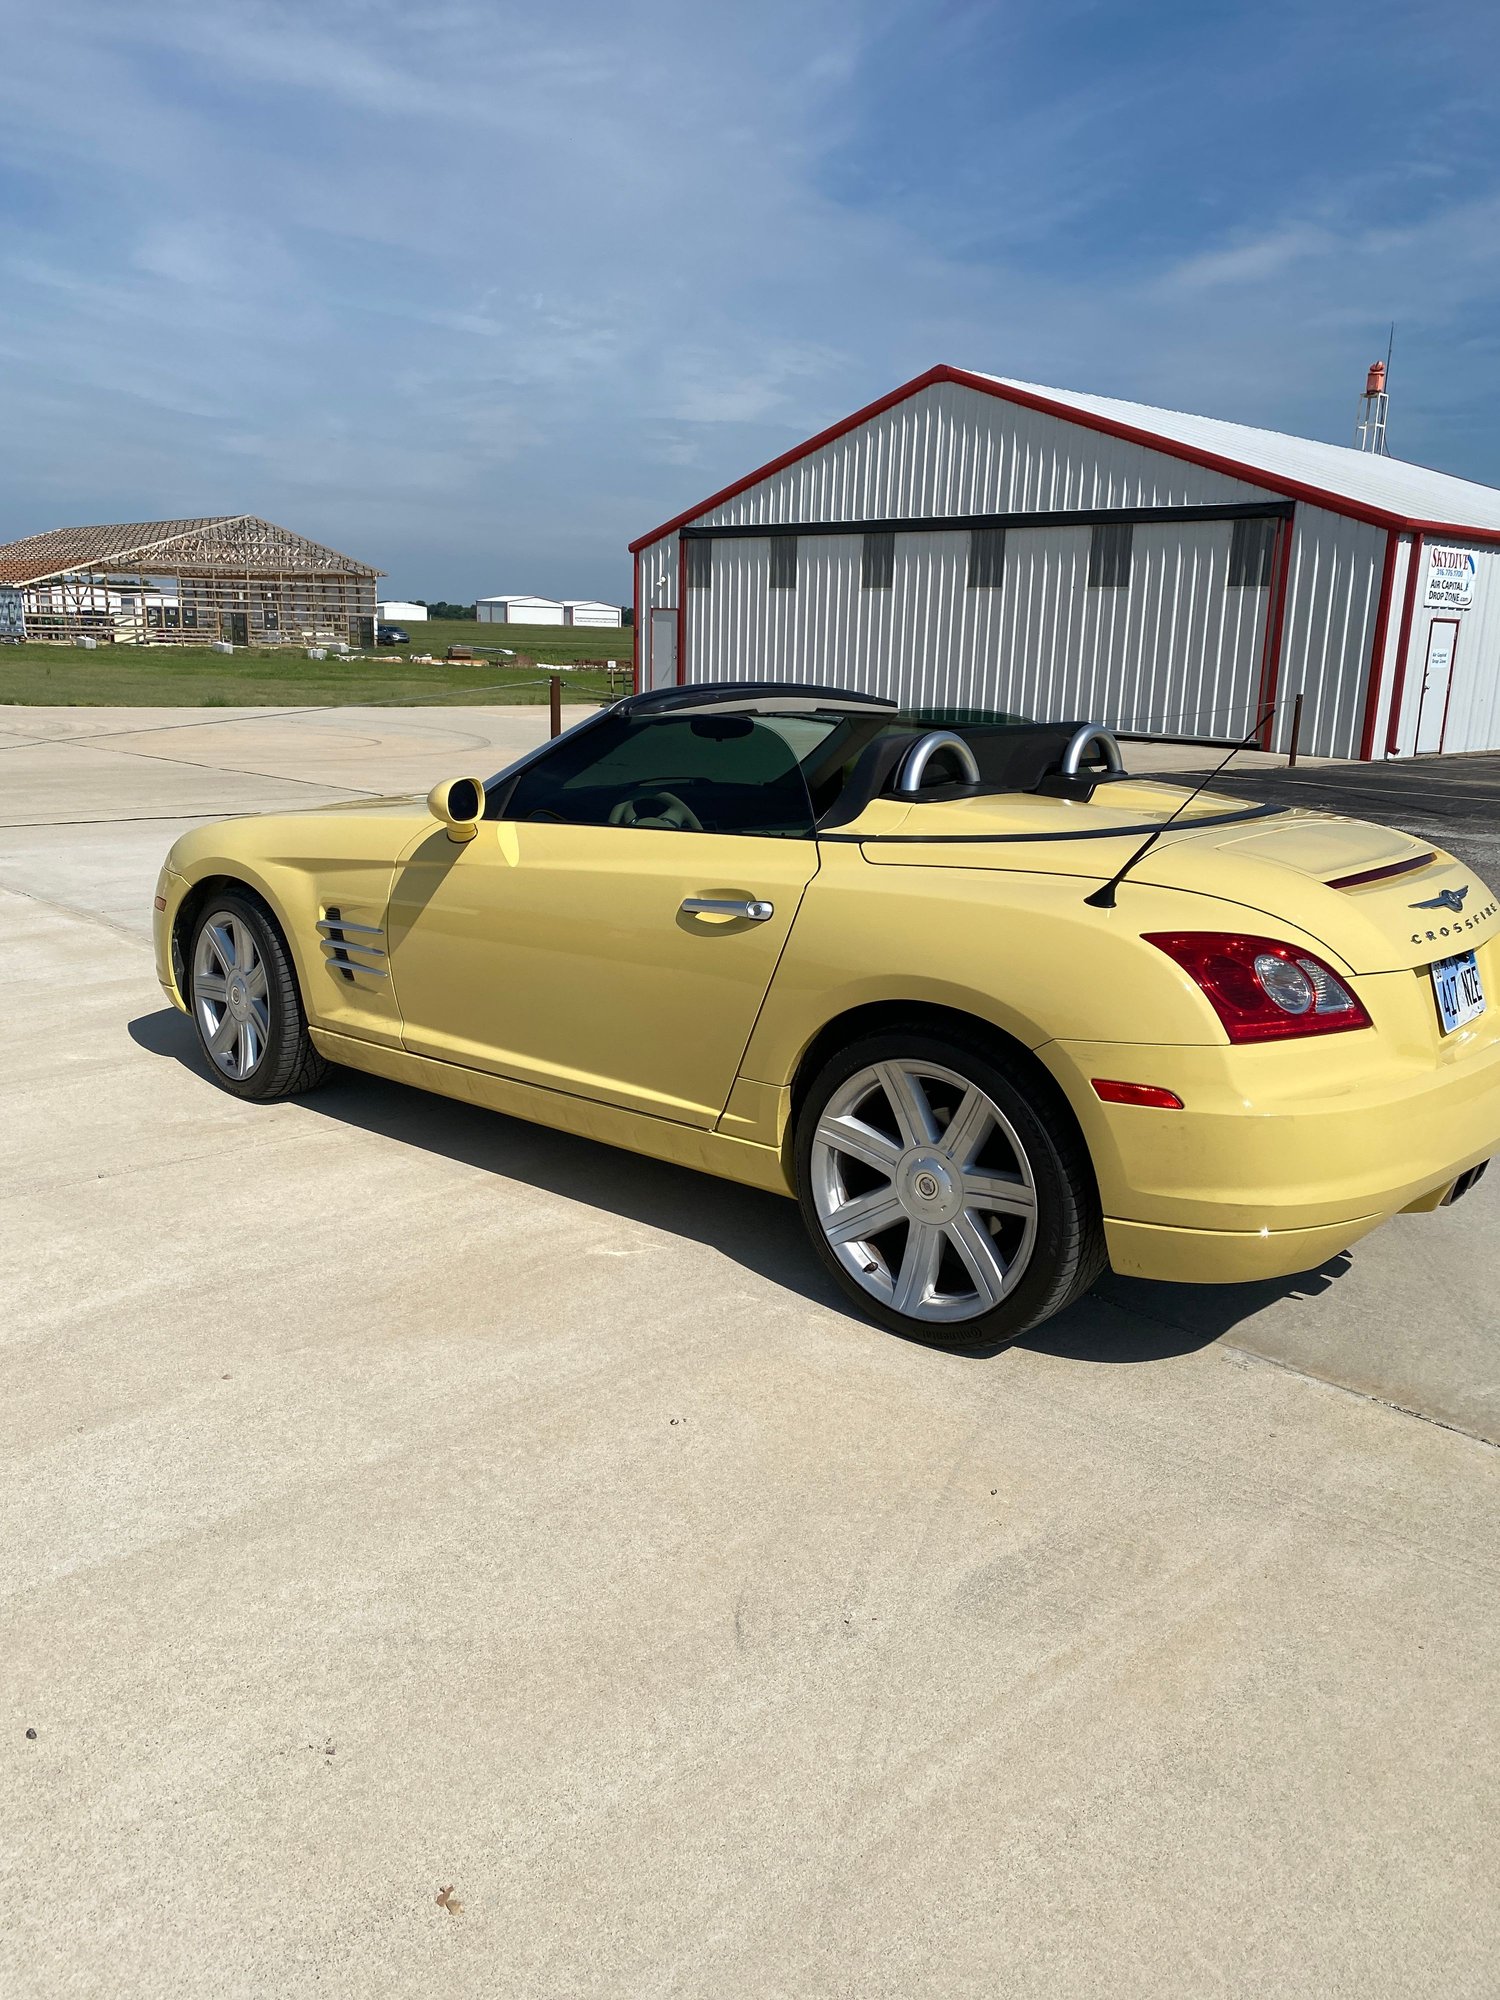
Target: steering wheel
(656, 809)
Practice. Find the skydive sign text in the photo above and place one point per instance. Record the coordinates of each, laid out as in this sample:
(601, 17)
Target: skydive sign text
(1450, 579)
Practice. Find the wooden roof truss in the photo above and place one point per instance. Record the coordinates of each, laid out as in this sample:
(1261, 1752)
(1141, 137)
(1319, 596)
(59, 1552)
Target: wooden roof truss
(233, 578)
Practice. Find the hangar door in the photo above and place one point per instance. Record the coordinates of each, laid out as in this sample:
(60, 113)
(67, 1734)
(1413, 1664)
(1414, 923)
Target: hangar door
(1151, 619)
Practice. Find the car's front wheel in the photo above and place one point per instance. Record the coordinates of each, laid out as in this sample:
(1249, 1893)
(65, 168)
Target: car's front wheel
(946, 1188)
(242, 994)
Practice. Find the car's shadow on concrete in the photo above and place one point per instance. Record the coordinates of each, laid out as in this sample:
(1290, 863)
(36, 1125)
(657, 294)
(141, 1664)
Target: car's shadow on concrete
(1122, 1321)
(1135, 1319)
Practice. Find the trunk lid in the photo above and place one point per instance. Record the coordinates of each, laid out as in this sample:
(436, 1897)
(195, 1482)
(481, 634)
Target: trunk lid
(1381, 900)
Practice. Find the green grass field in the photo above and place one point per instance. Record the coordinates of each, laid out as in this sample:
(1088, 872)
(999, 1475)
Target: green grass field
(542, 643)
(197, 677)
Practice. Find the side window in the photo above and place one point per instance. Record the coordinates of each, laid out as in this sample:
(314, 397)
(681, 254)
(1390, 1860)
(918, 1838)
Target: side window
(709, 773)
(986, 558)
(1250, 548)
(1110, 549)
(877, 561)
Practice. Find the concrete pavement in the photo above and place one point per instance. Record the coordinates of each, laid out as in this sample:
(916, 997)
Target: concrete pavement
(393, 1496)
(114, 787)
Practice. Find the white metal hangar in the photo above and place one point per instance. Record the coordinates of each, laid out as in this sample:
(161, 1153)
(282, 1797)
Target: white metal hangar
(973, 542)
(519, 610)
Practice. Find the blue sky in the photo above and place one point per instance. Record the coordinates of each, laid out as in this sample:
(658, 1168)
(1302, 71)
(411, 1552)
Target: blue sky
(478, 292)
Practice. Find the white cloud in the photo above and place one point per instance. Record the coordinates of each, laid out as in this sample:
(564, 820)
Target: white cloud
(1252, 261)
(478, 288)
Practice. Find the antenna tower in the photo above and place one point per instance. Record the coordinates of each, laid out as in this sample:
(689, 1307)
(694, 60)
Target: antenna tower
(1374, 404)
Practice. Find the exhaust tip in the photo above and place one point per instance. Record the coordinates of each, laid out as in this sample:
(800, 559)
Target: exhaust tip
(1464, 1184)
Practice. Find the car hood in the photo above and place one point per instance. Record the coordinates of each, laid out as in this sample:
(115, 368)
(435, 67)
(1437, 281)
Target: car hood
(1380, 899)
(362, 831)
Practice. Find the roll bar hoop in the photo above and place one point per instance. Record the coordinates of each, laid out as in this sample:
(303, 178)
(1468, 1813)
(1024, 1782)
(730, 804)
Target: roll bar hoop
(1083, 740)
(914, 764)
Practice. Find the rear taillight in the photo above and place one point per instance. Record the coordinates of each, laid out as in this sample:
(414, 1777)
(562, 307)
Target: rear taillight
(1261, 990)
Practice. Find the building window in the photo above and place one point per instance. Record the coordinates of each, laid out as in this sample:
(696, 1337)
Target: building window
(700, 563)
(877, 563)
(1109, 555)
(1250, 552)
(783, 562)
(986, 558)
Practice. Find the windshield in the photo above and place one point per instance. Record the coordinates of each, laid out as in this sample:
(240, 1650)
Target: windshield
(723, 769)
(704, 773)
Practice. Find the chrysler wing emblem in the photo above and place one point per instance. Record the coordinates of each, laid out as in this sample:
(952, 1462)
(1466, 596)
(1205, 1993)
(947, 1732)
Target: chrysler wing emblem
(1445, 899)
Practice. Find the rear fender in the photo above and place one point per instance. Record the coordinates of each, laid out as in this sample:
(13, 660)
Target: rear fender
(1024, 953)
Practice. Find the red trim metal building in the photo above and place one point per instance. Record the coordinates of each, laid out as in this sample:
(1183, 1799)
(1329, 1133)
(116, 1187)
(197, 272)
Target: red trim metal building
(970, 541)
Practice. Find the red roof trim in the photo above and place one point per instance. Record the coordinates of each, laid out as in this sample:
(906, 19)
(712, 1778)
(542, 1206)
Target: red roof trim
(1450, 532)
(797, 451)
(1265, 482)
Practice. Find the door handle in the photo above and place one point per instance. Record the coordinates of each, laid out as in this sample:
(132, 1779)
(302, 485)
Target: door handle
(727, 906)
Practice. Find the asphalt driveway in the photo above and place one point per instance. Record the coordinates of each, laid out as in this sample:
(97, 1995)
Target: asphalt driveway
(396, 1498)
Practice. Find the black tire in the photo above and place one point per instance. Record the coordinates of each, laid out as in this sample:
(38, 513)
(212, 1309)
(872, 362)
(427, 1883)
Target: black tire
(1058, 1250)
(286, 1064)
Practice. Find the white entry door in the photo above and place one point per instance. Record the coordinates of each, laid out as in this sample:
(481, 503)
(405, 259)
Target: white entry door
(662, 665)
(1437, 677)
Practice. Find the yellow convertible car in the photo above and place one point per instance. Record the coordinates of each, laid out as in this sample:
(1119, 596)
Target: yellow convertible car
(995, 1013)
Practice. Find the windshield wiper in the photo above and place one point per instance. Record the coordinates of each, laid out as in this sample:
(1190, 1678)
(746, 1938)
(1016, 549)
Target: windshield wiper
(1103, 898)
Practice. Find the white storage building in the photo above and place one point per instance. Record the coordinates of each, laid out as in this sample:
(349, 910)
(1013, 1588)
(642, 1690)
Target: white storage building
(520, 610)
(589, 611)
(396, 611)
(974, 542)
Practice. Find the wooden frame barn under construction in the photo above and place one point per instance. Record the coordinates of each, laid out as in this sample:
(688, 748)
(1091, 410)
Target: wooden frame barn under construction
(231, 578)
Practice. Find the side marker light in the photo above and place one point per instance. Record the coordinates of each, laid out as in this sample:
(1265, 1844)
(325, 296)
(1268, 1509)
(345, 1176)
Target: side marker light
(1112, 1091)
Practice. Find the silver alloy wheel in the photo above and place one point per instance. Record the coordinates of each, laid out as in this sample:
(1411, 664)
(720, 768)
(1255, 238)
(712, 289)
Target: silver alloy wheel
(230, 994)
(924, 1191)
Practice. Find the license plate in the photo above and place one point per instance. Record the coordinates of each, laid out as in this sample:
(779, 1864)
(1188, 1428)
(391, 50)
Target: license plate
(1460, 996)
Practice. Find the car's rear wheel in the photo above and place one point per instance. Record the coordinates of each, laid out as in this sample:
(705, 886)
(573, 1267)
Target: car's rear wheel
(245, 1005)
(946, 1188)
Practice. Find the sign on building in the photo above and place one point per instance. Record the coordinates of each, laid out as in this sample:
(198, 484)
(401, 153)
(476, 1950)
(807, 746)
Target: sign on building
(1450, 579)
(12, 614)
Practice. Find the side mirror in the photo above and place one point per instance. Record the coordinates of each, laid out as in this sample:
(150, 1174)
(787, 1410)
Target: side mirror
(459, 804)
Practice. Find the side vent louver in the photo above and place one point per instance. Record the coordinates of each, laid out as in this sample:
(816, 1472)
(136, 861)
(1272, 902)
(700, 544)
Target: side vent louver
(350, 948)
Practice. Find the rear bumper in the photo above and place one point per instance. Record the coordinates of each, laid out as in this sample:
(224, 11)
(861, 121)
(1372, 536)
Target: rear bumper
(1226, 1256)
(1282, 1156)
